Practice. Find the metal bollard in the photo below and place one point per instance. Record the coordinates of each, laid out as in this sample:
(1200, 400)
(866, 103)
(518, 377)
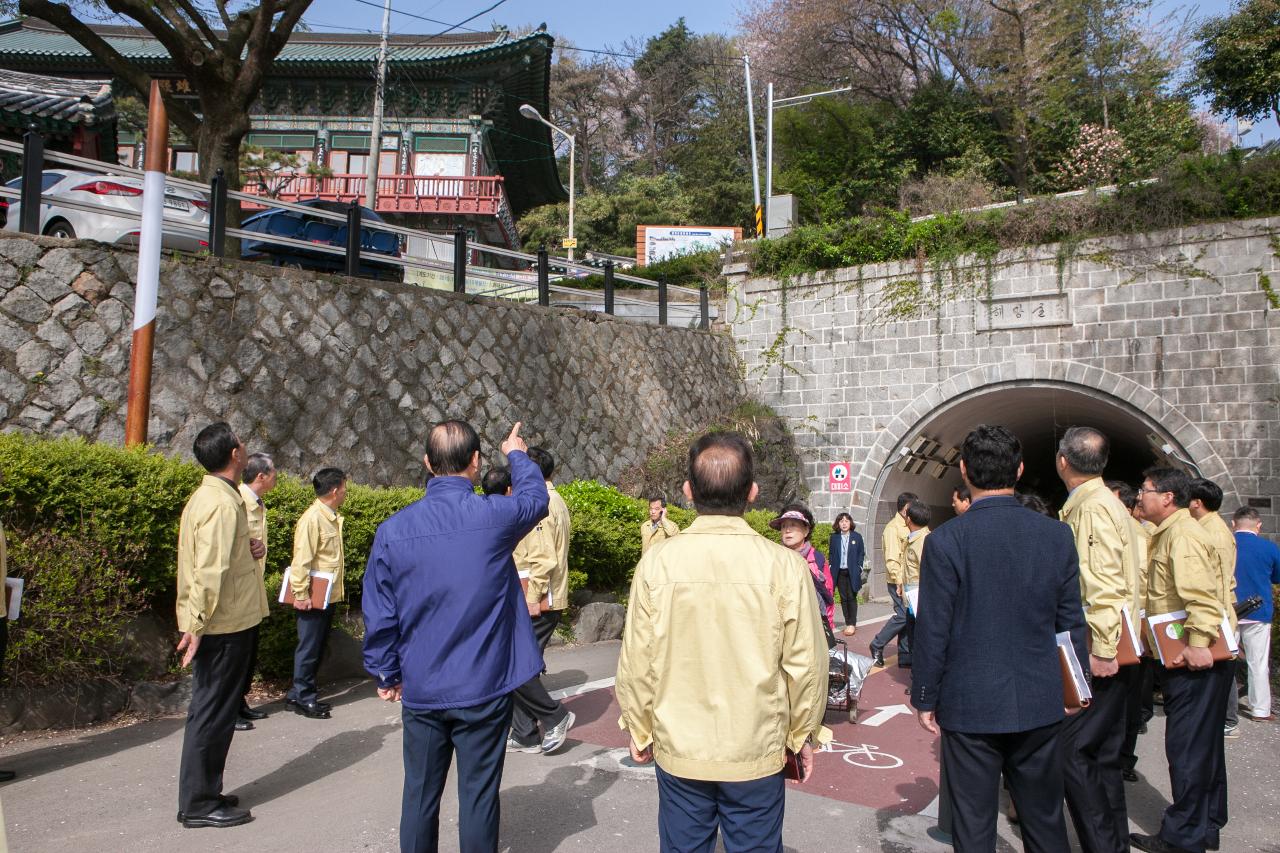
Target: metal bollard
(544, 278)
(704, 308)
(218, 214)
(32, 180)
(608, 287)
(662, 300)
(460, 260)
(353, 239)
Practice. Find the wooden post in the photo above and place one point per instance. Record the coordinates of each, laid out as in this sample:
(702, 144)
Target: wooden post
(147, 291)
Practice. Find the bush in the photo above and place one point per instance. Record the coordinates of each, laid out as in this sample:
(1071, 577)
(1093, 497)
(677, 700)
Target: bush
(78, 593)
(1192, 190)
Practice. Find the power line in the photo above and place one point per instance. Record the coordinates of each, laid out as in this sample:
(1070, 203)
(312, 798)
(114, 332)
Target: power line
(378, 6)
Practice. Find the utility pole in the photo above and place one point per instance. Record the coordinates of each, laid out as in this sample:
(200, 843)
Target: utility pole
(755, 156)
(768, 154)
(375, 136)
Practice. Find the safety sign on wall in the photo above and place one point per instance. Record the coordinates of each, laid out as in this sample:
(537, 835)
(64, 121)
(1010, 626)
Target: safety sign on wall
(838, 479)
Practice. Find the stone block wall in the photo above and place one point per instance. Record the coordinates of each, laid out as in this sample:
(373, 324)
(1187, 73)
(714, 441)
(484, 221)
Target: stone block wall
(321, 370)
(1173, 331)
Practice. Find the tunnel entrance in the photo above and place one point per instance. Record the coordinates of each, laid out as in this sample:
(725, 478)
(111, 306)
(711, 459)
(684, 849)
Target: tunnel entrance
(1038, 413)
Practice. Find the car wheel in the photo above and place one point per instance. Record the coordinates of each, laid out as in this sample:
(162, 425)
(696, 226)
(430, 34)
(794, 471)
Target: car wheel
(60, 228)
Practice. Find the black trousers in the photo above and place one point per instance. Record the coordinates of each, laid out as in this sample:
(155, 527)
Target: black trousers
(1138, 710)
(533, 704)
(4, 643)
(1091, 765)
(848, 597)
(1195, 707)
(253, 662)
(479, 736)
(895, 627)
(1031, 762)
(313, 632)
(217, 676)
(747, 816)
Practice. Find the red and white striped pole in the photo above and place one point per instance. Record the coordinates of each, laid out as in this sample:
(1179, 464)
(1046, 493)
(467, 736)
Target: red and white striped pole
(148, 285)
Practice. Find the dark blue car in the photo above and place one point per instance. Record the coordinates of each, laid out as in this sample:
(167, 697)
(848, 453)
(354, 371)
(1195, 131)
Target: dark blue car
(314, 229)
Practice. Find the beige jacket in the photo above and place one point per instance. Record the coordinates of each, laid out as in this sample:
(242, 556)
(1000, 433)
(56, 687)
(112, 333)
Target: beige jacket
(257, 515)
(1183, 575)
(543, 554)
(317, 547)
(1224, 548)
(651, 534)
(1103, 530)
(912, 555)
(718, 704)
(894, 544)
(219, 591)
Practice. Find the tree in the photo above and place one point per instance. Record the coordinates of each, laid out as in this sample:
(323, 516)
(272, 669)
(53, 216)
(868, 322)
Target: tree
(585, 101)
(223, 48)
(272, 170)
(1238, 63)
(606, 221)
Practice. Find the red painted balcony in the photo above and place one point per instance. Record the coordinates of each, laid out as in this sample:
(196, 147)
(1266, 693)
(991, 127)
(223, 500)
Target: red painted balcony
(397, 193)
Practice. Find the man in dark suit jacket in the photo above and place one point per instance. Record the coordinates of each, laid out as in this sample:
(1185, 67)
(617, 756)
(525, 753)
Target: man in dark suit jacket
(997, 584)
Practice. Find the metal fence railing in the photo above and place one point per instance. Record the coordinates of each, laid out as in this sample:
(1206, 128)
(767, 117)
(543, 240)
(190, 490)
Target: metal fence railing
(352, 243)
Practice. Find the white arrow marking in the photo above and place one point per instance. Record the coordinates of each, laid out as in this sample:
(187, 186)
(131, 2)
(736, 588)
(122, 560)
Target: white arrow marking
(886, 713)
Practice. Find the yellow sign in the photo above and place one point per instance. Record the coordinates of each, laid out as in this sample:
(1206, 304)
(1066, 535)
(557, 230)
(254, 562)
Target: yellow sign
(569, 243)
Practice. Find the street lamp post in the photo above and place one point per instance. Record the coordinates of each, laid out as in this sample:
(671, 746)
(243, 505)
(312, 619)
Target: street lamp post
(779, 103)
(529, 112)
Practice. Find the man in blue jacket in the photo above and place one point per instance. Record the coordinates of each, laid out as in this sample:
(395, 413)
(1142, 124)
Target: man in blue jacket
(996, 585)
(1257, 571)
(447, 632)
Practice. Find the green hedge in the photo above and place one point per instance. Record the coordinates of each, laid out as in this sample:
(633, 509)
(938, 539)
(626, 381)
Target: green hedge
(94, 530)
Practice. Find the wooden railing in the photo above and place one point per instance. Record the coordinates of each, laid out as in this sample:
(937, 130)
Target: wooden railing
(398, 193)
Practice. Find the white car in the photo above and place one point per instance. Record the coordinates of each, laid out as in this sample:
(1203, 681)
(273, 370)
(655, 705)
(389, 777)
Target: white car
(108, 192)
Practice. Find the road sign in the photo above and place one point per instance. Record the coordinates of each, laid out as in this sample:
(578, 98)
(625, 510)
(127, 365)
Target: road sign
(569, 243)
(838, 479)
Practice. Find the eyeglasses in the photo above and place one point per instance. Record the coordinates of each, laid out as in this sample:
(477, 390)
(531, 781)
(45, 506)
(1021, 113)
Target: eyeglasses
(1142, 491)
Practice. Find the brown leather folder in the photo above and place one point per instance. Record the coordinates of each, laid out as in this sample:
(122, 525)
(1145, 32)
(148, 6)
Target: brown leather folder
(545, 604)
(319, 592)
(1128, 651)
(1075, 687)
(1169, 637)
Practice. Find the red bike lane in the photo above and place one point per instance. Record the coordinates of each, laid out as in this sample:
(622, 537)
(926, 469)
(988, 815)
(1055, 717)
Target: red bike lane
(885, 761)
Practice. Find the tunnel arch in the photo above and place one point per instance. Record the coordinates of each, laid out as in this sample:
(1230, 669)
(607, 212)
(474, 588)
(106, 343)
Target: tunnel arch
(1037, 401)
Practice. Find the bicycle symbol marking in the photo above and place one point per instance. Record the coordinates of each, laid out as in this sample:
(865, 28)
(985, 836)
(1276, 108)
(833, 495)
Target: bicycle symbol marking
(864, 755)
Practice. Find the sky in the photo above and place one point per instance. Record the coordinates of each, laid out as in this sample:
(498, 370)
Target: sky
(610, 23)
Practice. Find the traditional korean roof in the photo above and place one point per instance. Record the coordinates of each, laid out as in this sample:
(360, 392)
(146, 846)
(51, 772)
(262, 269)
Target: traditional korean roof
(59, 99)
(520, 65)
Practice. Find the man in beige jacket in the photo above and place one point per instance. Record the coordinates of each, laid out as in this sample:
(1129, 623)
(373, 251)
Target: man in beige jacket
(542, 558)
(721, 734)
(259, 478)
(218, 607)
(317, 547)
(658, 528)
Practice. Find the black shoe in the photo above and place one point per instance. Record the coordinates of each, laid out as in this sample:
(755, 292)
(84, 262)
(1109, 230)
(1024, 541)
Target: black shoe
(1129, 775)
(7, 775)
(1153, 844)
(244, 725)
(247, 713)
(314, 710)
(227, 800)
(294, 705)
(222, 816)
(877, 657)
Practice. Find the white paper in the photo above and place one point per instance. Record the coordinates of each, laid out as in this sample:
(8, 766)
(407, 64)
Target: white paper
(912, 593)
(15, 602)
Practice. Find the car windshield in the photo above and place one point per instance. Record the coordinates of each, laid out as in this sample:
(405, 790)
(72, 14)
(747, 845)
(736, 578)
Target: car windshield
(47, 180)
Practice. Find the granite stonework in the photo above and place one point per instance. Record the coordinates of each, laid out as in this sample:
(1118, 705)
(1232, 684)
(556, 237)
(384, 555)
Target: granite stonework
(1175, 331)
(321, 370)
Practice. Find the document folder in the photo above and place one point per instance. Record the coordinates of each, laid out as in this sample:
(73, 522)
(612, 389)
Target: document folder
(1075, 687)
(1129, 648)
(321, 588)
(1168, 634)
(545, 604)
(13, 597)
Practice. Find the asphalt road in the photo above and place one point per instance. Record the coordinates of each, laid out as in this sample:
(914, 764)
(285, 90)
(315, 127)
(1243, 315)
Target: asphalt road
(334, 784)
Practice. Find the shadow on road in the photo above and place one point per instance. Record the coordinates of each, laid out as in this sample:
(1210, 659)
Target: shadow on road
(323, 760)
(568, 793)
(102, 744)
